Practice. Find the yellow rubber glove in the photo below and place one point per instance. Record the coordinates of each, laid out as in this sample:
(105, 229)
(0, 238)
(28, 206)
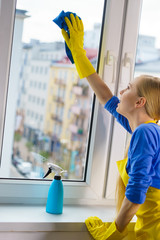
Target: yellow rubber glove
(102, 231)
(75, 44)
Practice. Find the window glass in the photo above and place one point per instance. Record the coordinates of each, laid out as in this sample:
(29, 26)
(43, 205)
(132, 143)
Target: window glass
(54, 122)
(148, 46)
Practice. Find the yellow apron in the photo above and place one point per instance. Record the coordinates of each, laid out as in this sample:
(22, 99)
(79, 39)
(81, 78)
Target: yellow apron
(147, 226)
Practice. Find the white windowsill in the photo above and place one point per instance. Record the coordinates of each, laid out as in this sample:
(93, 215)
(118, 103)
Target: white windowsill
(34, 218)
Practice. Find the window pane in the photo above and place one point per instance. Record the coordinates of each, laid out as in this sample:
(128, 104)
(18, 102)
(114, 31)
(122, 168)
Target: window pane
(51, 107)
(148, 54)
(148, 45)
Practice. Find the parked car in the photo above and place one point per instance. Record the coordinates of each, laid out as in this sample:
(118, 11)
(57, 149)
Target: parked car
(24, 167)
(37, 173)
(17, 160)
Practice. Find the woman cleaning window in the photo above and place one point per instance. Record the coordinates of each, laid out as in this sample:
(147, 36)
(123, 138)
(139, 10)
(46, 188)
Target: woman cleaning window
(138, 111)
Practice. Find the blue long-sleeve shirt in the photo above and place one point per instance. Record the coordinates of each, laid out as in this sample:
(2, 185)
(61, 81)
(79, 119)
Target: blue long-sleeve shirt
(143, 166)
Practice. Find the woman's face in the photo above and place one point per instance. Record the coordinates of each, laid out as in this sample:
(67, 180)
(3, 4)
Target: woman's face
(128, 99)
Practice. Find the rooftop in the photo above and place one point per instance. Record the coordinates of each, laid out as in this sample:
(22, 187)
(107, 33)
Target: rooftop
(90, 52)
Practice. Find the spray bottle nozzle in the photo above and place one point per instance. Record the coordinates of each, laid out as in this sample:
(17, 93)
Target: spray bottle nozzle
(49, 171)
(53, 167)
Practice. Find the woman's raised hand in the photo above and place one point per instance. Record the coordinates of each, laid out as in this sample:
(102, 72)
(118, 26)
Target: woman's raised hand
(75, 38)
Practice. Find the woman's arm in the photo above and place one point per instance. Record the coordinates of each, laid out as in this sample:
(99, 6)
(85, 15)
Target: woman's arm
(101, 90)
(82, 63)
(126, 213)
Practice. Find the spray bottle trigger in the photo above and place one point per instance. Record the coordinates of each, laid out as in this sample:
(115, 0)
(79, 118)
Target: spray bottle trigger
(49, 171)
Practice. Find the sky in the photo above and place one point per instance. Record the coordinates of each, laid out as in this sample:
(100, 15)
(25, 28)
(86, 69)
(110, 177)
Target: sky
(150, 19)
(42, 12)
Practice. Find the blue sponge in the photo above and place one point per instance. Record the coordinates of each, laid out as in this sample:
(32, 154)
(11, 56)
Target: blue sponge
(59, 20)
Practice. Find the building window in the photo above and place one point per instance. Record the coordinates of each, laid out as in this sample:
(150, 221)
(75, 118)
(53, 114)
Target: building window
(46, 70)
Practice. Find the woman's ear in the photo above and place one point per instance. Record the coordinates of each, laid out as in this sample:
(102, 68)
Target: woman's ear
(140, 102)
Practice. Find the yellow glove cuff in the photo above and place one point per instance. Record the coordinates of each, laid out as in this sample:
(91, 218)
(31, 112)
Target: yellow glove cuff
(112, 233)
(83, 66)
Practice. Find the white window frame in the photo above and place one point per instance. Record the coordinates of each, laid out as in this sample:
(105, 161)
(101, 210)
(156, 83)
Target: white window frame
(120, 136)
(103, 124)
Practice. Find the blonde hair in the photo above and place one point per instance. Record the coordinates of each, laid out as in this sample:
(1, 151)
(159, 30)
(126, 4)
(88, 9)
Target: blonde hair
(148, 87)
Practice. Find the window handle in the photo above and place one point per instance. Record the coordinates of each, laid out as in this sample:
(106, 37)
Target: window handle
(111, 60)
(127, 62)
